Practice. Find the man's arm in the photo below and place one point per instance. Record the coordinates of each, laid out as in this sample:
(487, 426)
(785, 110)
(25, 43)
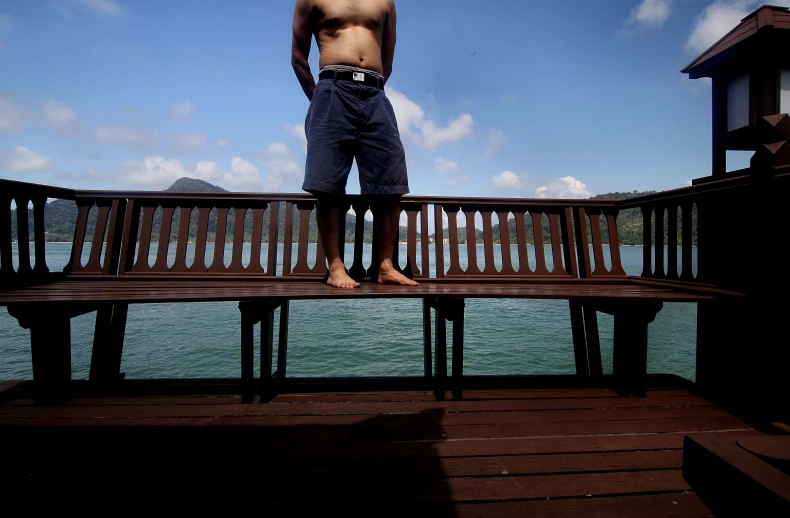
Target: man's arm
(300, 45)
(388, 41)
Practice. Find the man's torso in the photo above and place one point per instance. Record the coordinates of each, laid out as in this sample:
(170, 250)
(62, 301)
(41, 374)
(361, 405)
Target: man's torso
(349, 32)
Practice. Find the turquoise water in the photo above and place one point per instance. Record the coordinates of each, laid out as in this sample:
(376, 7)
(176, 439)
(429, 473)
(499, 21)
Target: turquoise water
(356, 337)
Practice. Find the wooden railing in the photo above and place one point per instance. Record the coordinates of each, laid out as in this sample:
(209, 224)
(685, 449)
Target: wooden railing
(126, 225)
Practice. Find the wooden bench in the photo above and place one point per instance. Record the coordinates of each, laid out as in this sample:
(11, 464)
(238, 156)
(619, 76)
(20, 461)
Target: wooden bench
(117, 273)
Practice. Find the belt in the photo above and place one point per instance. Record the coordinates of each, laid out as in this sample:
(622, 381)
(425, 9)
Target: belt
(368, 79)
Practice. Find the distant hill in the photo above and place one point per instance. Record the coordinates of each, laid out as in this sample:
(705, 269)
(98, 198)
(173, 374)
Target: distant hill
(60, 216)
(193, 185)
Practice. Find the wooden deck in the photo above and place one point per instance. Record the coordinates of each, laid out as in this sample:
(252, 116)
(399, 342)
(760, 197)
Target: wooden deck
(583, 452)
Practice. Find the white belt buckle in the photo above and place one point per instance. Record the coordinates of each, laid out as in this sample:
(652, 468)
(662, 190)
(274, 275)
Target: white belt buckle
(358, 76)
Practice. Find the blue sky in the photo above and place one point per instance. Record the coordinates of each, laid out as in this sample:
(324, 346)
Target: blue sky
(560, 99)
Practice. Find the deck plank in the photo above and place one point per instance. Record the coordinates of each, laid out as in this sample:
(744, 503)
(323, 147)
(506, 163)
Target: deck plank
(542, 452)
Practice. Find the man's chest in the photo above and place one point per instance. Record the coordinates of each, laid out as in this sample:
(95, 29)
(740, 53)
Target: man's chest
(334, 14)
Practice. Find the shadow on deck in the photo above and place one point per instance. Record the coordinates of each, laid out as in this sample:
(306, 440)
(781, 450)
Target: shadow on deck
(546, 452)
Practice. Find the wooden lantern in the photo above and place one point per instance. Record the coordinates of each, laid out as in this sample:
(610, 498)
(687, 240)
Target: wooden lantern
(750, 71)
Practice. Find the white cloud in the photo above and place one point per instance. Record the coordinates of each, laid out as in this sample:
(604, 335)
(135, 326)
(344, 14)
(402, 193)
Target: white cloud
(192, 141)
(104, 7)
(297, 130)
(460, 179)
(58, 115)
(509, 180)
(156, 171)
(12, 115)
(444, 166)
(122, 136)
(23, 160)
(242, 175)
(648, 14)
(565, 187)
(280, 165)
(416, 127)
(6, 23)
(222, 143)
(715, 21)
(495, 140)
(181, 110)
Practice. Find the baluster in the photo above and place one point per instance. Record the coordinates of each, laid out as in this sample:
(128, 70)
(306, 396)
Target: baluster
(255, 243)
(182, 241)
(438, 226)
(23, 237)
(488, 243)
(160, 265)
(471, 243)
(412, 269)
(236, 265)
(452, 230)
(305, 208)
(540, 251)
(583, 247)
(647, 252)
(39, 231)
(614, 245)
(75, 264)
(94, 260)
(686, 242)
(199, 264)
(659, 271)
(504, 244)
(521, 241)
(425, 245)
(556, 247)
(672, 241)
(597, 242)
(274, 226)
(288, 238)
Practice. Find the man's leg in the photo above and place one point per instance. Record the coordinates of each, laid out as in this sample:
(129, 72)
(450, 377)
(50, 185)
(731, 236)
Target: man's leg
(328, 221)
(388, 224)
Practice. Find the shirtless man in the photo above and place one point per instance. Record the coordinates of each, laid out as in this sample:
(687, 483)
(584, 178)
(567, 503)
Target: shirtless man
(350, 117)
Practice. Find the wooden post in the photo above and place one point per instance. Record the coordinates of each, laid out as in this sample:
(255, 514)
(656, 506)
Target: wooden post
(108, 340)
(50, 339)
(440, 371)
(593, 341)
(426, 336)
(456, 312)
(247, 351)
(282, 343)
(630, 346)
(579, 343)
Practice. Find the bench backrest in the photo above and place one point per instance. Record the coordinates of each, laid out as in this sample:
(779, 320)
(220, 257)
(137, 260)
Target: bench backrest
(534, 238)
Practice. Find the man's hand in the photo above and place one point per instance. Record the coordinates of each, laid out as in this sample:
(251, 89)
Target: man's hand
(300, 45)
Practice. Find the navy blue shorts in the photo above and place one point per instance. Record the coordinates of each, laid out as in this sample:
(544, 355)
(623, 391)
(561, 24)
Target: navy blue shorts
(348, 120)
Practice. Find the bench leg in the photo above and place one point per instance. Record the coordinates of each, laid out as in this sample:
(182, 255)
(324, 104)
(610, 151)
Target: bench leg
(440, 372)
(50, 340)
(630, 346)
(268, 389)
(593, 341)
(251, 314)
(247, 351)
(426, 336)
(282, 344)
(457, 316)
(579, 342)
(107, 351)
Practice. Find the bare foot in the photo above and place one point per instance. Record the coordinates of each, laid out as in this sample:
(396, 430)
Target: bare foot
(392, 276)
(340, 279)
